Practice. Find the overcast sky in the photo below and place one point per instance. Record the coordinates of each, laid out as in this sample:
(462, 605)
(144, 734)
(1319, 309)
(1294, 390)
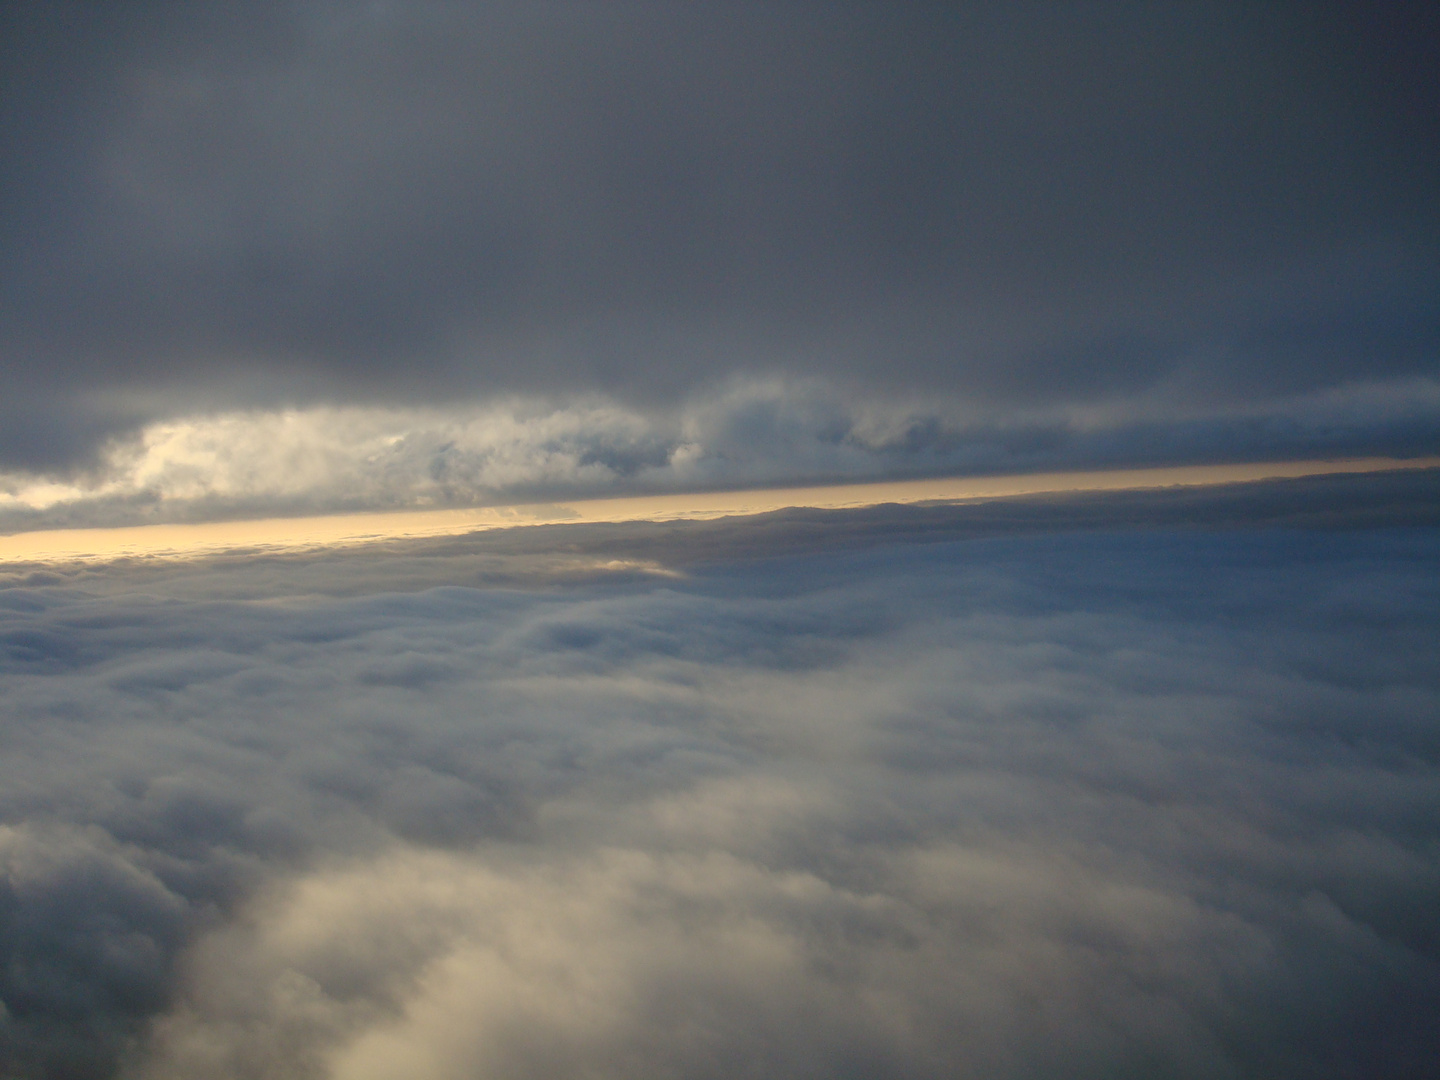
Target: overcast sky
(1028, 234)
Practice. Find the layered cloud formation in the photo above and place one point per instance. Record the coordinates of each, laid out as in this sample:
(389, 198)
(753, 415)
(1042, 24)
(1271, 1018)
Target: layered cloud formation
(1142, 784)
(972, 793)
(326, 460)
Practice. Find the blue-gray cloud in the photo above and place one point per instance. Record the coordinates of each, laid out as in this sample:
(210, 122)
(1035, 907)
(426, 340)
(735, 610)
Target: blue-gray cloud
(211, 208)
(1064, 784)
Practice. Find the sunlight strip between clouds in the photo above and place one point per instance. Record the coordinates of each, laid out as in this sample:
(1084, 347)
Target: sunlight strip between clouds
(289, 534)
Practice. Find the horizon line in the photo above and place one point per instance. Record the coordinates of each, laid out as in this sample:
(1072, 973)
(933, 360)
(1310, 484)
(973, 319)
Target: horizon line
(275, 534)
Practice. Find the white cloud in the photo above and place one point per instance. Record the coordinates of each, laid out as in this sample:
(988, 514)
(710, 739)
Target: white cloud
(326, 459)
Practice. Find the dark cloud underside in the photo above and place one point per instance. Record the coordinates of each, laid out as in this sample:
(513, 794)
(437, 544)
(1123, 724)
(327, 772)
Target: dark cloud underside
(212, 206)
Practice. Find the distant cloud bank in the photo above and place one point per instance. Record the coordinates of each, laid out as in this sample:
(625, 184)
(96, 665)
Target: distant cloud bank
(332, 459)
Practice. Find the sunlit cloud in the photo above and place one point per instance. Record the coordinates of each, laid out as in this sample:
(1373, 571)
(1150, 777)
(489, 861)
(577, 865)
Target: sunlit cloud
(337, 460)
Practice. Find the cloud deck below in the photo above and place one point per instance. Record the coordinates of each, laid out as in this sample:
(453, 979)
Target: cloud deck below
(1141, 783)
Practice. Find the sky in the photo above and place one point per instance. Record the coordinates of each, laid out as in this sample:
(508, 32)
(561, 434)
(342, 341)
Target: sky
(761, 540)
(311, 257)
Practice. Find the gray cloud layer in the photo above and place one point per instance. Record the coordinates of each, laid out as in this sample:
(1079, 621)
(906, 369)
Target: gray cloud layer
(859, 793)
(323, 460)
(211, 207)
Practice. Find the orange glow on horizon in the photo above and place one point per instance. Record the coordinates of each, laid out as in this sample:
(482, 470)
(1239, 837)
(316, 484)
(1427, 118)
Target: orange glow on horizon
(291, 534)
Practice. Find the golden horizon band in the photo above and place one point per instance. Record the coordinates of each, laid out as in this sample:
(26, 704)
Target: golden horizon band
(299, 533)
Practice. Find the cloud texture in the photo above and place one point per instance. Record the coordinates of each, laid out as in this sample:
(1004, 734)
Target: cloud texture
(1142, 784)
(1118, 801)
(322, 460)
(213, 209)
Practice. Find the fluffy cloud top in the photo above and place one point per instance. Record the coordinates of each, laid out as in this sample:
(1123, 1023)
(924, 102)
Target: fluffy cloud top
(926, 804)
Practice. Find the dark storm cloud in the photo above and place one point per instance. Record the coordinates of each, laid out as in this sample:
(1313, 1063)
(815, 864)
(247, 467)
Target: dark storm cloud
(1046, 792)
(210, 206)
